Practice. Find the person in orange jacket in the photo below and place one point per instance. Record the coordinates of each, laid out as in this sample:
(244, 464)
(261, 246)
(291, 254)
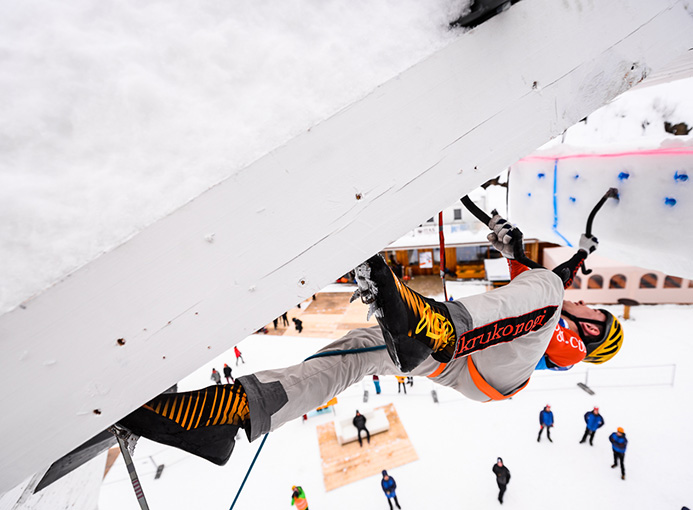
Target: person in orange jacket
(298, 498)
(401, 383)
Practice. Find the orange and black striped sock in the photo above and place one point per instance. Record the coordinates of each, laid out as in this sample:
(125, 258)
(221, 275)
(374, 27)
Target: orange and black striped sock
(215, 405)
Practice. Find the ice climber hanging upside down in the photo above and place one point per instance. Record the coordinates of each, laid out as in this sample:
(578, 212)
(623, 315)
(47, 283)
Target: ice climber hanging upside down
(484, 346)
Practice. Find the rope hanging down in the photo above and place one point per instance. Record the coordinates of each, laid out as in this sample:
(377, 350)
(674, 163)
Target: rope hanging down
(317, 355)
(249, 470)
(441, 237)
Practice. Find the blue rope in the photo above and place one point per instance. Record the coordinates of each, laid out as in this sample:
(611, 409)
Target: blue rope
(346, 351)
(316, 355)
(249, 470)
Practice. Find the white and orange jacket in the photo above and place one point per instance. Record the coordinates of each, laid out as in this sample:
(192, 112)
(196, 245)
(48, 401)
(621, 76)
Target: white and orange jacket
(502, 335)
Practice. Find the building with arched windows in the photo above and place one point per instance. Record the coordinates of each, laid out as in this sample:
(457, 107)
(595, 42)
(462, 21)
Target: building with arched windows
(610, 281)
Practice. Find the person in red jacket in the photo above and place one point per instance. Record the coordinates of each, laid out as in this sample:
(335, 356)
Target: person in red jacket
(238, 355)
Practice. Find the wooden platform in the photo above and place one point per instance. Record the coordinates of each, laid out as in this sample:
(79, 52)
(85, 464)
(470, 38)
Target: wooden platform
(330, 315)
(342, 465)
(113, 454)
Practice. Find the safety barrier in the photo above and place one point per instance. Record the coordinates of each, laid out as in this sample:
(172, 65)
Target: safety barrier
(604, 377)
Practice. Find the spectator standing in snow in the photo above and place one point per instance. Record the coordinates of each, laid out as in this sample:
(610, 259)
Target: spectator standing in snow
(275, 322)
(216, 377)
(545, 420)
(502, 478)
(285, 319)
(238, 355)
(298, 498)
(401, 383)
(227, 374)
(389, 485)
(376, 383)
(593, 421)
(618, 445)
(298, 323)
(359, 422)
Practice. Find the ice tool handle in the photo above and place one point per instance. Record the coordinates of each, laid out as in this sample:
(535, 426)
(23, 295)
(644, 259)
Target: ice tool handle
(518, 248)
(610, 193)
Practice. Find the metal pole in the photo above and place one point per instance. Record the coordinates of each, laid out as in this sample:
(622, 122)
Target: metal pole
(139, 493)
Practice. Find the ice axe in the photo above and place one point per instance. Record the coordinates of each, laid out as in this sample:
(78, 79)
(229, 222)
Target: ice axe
(611, 193)
(518, 249)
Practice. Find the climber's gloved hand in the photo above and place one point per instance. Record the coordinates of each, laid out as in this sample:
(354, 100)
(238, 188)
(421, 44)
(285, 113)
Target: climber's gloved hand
(588, 243)
(504, 236)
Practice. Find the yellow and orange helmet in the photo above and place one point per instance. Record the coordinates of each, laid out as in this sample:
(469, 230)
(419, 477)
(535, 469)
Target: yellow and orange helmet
(603, 349)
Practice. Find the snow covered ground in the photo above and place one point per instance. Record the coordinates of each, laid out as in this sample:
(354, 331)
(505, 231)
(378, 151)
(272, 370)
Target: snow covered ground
(458, 440)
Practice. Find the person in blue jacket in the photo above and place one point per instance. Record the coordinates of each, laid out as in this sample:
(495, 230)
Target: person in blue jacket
(593, 421)
(389, 485)
(545, 421)
(618, 445)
